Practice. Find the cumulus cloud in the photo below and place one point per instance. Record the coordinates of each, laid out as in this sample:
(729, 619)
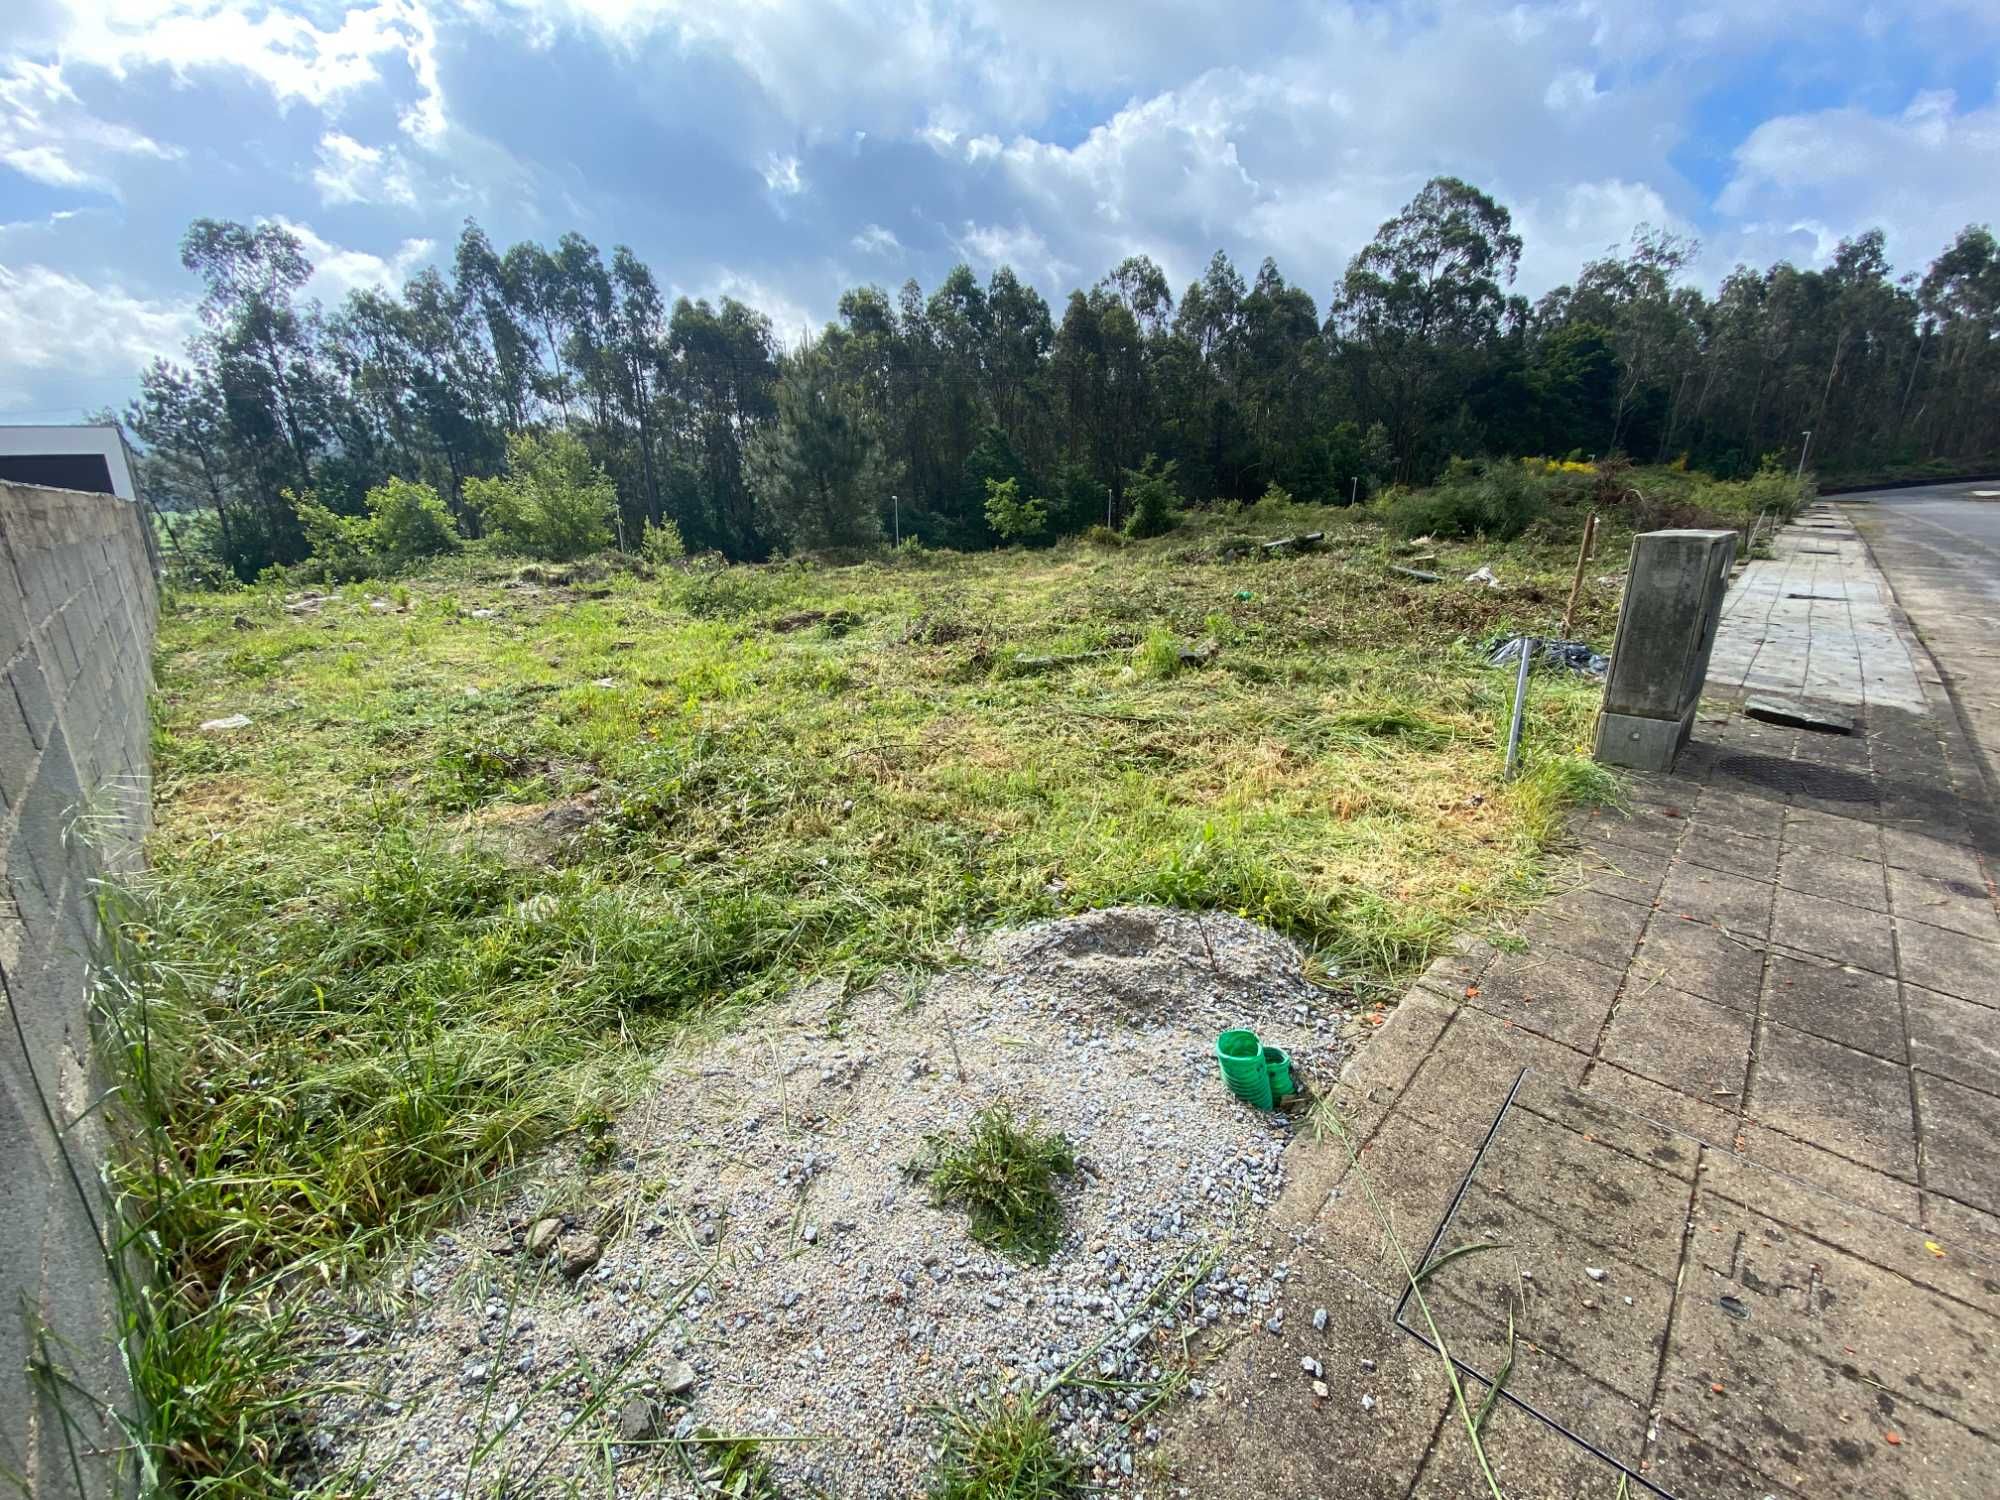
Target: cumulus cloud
(296, 59)
(66, 334)
(338, 270)
(1804, 182)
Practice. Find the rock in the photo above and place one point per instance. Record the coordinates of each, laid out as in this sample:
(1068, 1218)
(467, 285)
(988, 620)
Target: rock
(1319, 1389)
(1312, 1367)
(1595, 1273)
(581, 1256)
(810, 1234)
(228, 722)
(542, 1236)
(1319, 1320)
(1368, 1403)
(636, 1420)
(677, 1379)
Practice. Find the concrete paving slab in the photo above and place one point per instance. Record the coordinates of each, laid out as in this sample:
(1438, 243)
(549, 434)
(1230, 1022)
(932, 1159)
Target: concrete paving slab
(1836, 1001)
(1834, 877)
(1826, 1094)
(1961, 1126)
(1702, 960)
(1953, 1038)
(1682, 1041)
(1834, 930)
(1949, 962)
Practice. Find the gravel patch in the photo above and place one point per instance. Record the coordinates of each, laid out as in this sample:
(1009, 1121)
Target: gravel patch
(746, 1254)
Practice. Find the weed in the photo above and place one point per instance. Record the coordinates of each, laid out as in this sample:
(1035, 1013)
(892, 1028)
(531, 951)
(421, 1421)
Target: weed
(1004, 1176)
(729, 1468)
(1003, 1450)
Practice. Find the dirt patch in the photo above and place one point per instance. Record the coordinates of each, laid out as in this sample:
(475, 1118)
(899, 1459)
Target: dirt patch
(751, 1225)
(534, 833)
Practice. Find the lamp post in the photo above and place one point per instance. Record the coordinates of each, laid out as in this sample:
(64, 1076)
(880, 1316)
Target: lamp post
(896, 508)
(1804, 449)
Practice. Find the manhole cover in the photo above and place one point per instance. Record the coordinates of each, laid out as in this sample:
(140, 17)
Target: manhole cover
(1775, 774)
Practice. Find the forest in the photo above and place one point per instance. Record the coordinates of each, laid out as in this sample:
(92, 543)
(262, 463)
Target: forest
(907, 414)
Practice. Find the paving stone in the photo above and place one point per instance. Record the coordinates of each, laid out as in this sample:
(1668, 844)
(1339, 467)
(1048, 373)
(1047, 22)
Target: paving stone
(1947, 859)
(1738, 903)
(1594, 1118)
(1680, 1040)
(1955, 904)
(1833, 1096)
(1551, 993)
(1591, 925)
(1948, 962)
(1833, 833)
(1695, 957)
(1647, 829)
(1734, 853)
(1833, 929)
(1712, 1120)
(1738, 813)
(1850, 1181)
(1961, 1126)
(1953, 1038)
(1837, 877)
(1839, 1002)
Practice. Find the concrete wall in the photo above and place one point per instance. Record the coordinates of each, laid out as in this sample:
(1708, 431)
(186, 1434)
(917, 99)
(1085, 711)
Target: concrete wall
(77, 607)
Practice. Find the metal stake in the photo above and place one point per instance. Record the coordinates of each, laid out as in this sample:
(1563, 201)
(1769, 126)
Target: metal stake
(1529, 644)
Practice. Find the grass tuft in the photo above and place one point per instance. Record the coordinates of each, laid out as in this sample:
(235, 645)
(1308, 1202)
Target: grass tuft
(1004, 1176)
(1003, 1450)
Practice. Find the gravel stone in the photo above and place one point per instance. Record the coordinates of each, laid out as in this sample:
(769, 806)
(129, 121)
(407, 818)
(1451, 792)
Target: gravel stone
(796, 1131)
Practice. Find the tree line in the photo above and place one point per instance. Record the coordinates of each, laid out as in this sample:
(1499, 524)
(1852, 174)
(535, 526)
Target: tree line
(908, 412)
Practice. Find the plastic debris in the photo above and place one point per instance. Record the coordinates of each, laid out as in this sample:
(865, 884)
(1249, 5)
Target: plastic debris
(1571, 656)
(1484, 574)
(233, 721)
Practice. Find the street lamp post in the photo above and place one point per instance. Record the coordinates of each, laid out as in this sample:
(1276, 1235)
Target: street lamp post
(896, 508)
(1804, 449)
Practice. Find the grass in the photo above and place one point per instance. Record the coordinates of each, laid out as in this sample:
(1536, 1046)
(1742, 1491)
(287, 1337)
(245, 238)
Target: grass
(1003, 1450)
(479, 856)
(1004, 1176)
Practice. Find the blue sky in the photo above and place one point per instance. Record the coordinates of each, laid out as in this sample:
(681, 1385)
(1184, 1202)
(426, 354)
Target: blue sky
(781, 152)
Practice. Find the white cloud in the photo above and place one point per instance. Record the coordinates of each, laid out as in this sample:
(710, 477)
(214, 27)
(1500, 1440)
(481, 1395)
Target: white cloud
(66, 334)
(349, 172)
(47, 134)
(1804, 182)
(875, 240)
(781, 174)
(297, 60)
(338, 270)
(987, 247)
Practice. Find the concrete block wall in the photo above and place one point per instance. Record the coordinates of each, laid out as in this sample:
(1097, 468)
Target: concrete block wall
(78, 601)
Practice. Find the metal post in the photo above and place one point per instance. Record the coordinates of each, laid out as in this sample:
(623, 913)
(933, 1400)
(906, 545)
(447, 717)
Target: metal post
(896, 505)
(1529, 644)
(1804, 449)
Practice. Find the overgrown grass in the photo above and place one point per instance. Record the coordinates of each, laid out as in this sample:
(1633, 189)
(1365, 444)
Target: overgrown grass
(479, 854)
(1003, 1450)
(1003, 1174)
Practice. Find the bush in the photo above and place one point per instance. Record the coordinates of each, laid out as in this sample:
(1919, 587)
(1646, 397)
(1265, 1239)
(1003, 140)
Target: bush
(662, 544)
(1154, 499)
(1498, 500)
(1012, 518)
(406, 521)
(1103, 536)
(553, 501)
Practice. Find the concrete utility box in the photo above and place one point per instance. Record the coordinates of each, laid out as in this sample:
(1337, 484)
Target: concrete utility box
(1666, 630)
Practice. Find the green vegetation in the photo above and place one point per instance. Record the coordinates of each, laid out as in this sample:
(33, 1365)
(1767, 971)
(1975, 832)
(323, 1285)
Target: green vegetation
(405, 523)
(1003, 1450)
(1004, 1176)
(483, 852)
(898, 414)
(1012, 518)
(552, 502)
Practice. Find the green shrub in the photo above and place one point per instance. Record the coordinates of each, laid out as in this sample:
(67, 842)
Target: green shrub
(406, 521)
(662, 543)
(1500, 500)
(1103, 536)
(1154, 499)
(553, 502)
(1012, 518)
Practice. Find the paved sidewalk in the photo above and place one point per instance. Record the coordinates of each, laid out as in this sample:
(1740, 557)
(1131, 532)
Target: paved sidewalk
(1730, 1103)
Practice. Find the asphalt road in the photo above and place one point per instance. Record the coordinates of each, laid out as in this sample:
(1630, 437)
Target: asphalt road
(1940, 547)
